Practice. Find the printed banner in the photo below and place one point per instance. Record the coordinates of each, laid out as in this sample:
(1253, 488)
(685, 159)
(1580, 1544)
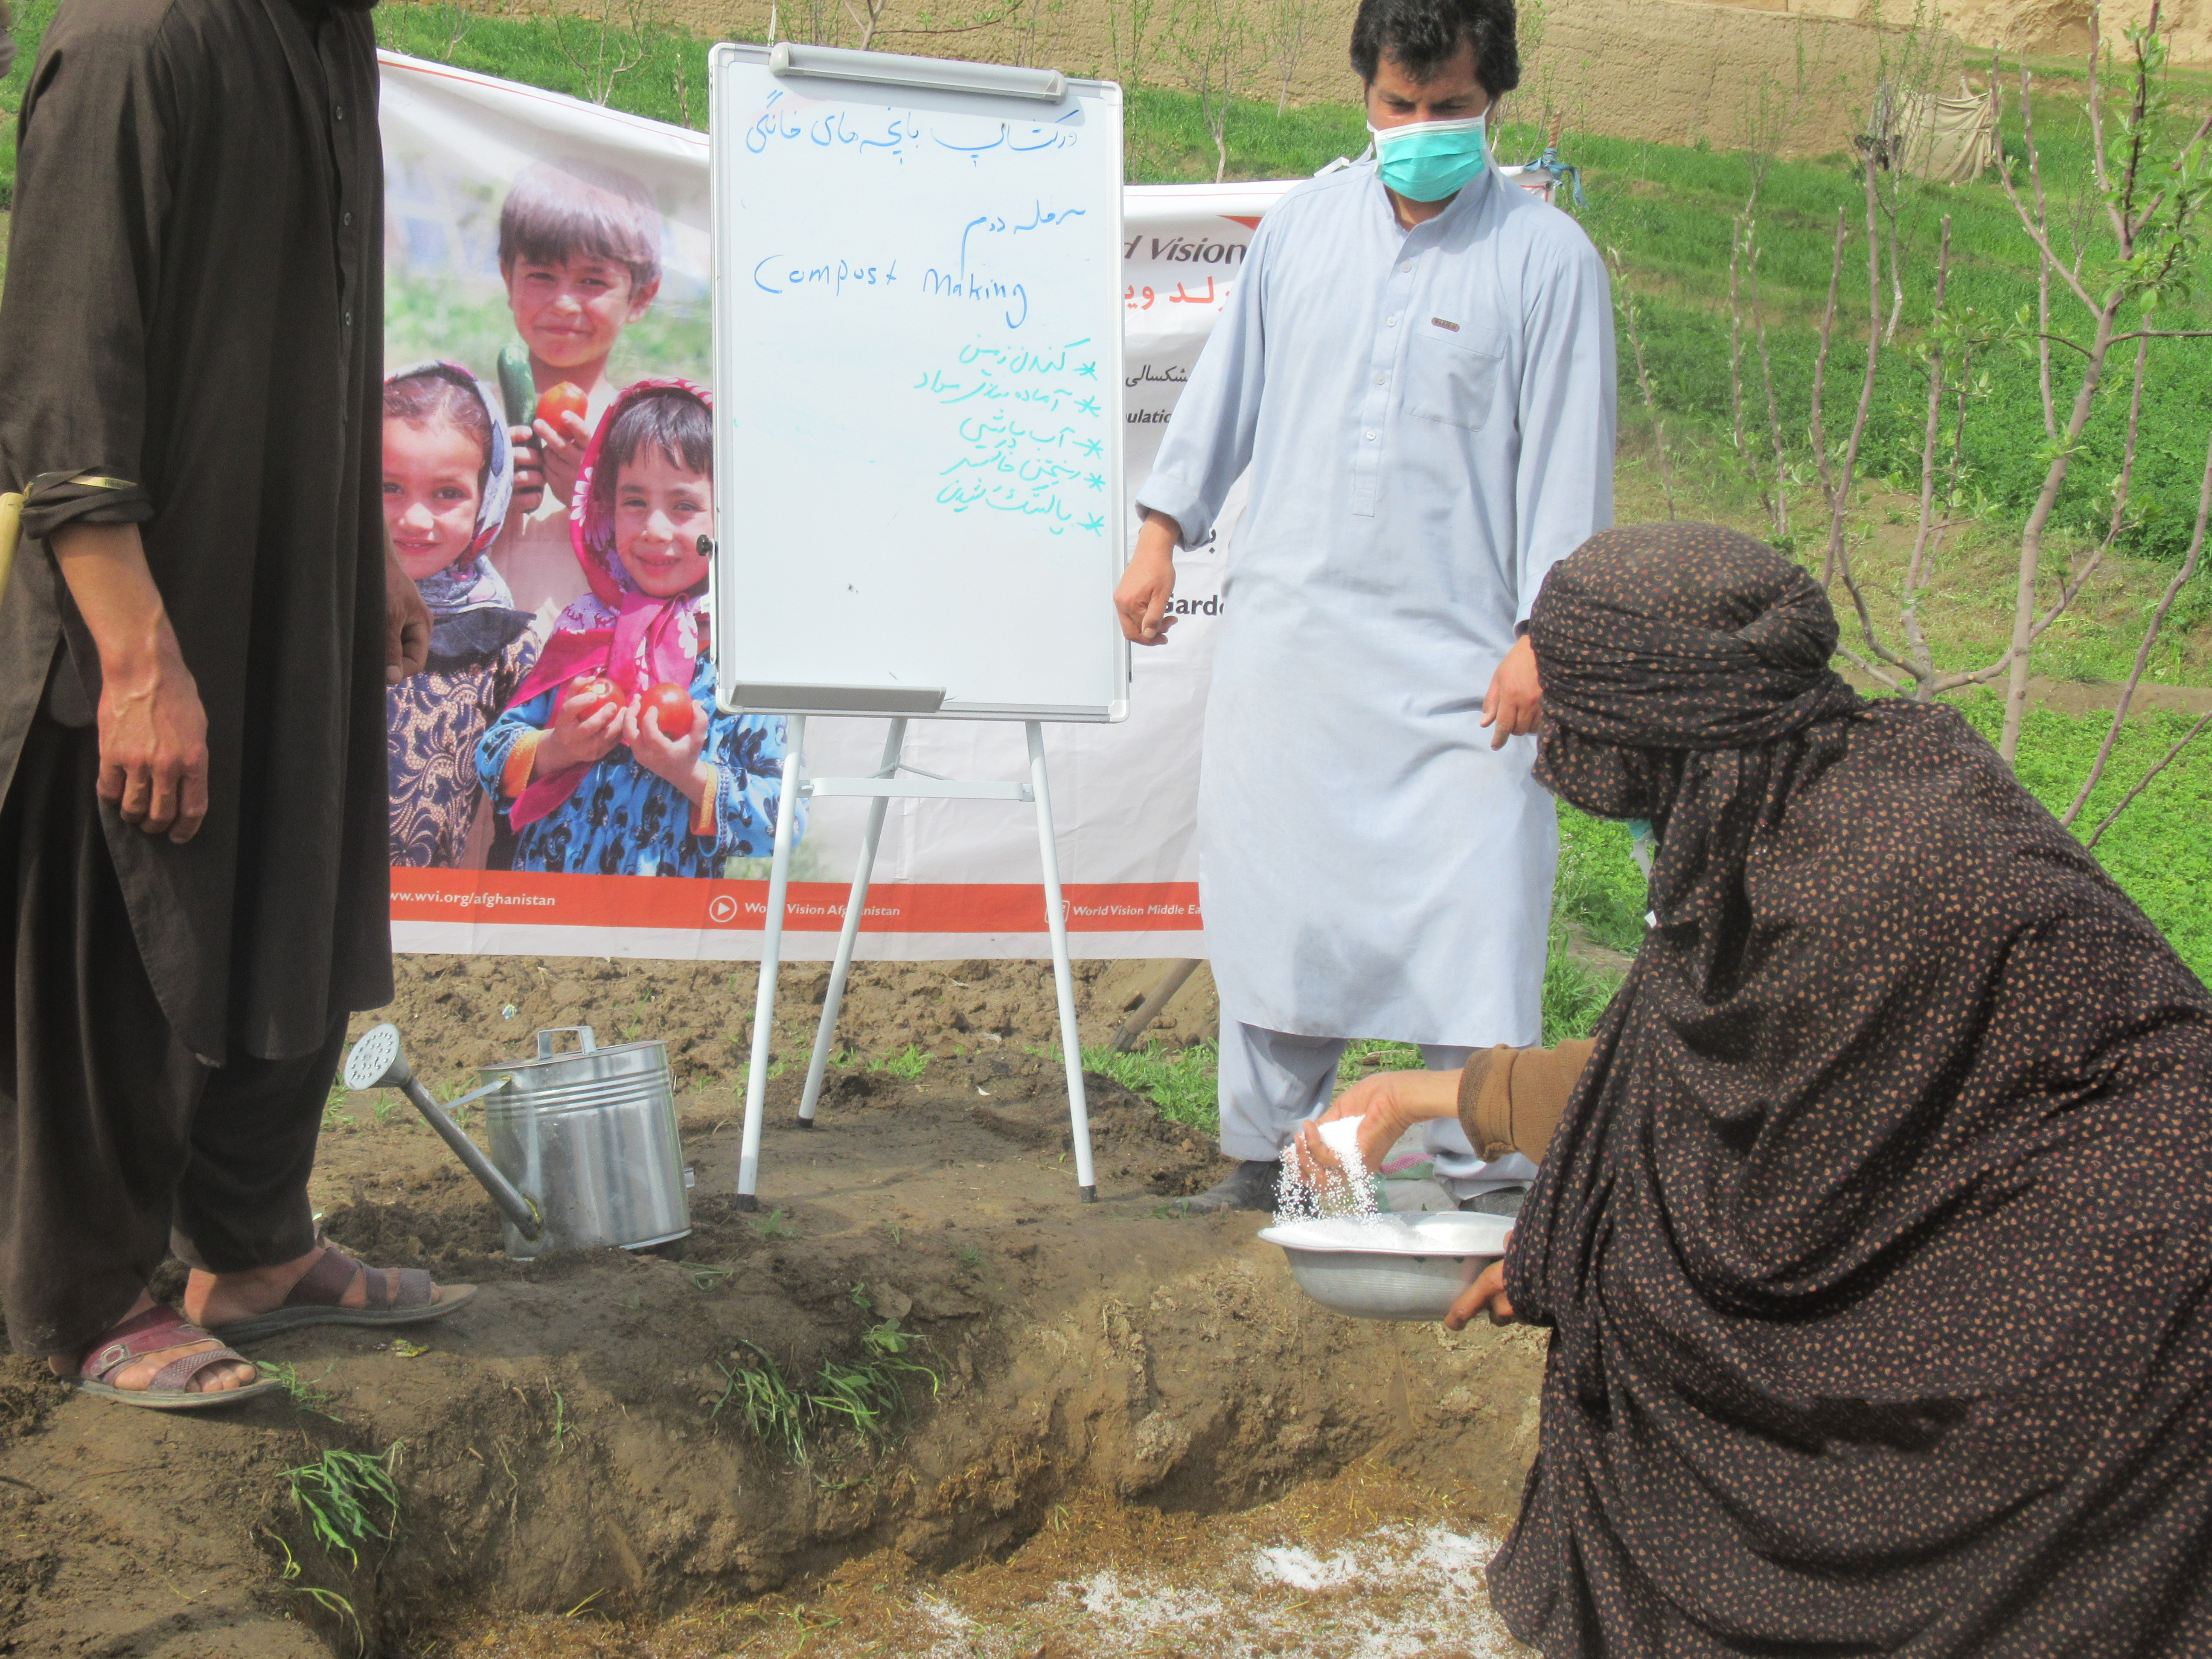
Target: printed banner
(546, 321)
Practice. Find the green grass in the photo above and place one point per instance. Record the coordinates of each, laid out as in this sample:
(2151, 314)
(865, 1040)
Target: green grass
(1599, 890)
(1669, 212)
(908, 1064)
(1574, 994)
(665, 77)
(1666, 210)
(865, 1396)
(1180, 1082)
(305, 1393)
(329, 1600)
(773, 1225)
(341, 1494)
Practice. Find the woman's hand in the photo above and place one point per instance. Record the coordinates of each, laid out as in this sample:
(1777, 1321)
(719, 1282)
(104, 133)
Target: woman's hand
(570, 741)
(1486, 1295)
(676, 759)
(561, 453)
(1388, 1103)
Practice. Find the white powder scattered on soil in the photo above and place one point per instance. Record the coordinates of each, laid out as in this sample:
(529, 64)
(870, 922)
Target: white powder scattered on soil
(1401, 1591)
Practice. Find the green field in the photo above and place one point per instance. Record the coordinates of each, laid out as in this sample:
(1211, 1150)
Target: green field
(1667, 212)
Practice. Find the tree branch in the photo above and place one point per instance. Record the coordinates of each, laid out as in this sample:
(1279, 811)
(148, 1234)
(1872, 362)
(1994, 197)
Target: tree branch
(1839, 500)
(1863, 664)
(1818, 433)
(2042, 264)
(1644, 379)
(2149, 641)
(1918, 568)
(2165, 761)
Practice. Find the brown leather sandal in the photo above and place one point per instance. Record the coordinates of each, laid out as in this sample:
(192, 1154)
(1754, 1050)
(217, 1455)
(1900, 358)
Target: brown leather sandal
(167, 1390)
(315, 1300)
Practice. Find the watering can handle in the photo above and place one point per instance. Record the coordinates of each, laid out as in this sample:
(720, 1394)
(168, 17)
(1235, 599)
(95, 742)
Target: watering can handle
(585, 1043)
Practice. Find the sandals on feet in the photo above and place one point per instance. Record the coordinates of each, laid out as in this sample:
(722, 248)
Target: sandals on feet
(169, 1389)
(315, 1300)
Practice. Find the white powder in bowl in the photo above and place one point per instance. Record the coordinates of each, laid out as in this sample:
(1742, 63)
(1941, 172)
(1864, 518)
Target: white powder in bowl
(1435, 1233)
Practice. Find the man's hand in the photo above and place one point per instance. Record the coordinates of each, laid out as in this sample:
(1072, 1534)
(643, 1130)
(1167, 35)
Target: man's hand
(1141, 600)
(153, 742)
(153, 729)
(407, 623)
(1485, 1296)
(1516, 696)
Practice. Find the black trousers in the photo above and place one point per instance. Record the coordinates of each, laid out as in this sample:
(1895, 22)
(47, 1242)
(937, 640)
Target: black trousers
(116, 1142)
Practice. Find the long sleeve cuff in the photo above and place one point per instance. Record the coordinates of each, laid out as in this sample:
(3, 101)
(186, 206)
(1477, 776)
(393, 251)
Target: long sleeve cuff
(1511, 1100)
(1171, 495)
(1486, 1102)
(514, 776)
(54, 499)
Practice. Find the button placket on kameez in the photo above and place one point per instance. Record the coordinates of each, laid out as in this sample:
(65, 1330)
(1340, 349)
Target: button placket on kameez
(329, 52)
(1385, 367)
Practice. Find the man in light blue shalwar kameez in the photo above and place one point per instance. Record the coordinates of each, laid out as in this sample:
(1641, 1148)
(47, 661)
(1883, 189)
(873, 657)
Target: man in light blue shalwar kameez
(1421, 381)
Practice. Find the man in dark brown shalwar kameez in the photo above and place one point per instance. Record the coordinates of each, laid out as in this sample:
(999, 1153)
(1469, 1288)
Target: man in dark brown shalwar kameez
(194, 644)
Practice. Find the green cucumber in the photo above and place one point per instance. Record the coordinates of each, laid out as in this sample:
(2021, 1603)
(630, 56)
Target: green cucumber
(516, 389)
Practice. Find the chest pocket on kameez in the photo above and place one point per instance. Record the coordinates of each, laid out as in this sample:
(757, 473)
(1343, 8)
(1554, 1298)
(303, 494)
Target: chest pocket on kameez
(1449, 377)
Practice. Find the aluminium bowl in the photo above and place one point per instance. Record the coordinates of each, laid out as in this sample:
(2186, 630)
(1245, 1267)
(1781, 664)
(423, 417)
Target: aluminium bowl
(1391, 1267)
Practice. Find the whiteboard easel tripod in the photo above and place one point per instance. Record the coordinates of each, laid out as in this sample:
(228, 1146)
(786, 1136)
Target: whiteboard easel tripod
(917, 316)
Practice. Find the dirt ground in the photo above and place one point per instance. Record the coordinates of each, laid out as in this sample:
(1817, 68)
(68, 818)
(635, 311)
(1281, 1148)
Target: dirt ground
(562, 1446)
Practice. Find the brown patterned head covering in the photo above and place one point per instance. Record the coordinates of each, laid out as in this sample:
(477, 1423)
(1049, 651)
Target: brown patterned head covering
(1874, 1241)
(1680, 663)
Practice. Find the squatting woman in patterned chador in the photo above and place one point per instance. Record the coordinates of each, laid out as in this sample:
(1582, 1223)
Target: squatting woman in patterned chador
(1875, 1240)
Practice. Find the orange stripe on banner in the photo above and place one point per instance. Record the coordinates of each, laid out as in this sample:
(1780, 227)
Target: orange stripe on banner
(817, 907)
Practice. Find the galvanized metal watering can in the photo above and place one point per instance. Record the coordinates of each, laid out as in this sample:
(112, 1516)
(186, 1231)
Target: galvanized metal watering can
(584, 1149)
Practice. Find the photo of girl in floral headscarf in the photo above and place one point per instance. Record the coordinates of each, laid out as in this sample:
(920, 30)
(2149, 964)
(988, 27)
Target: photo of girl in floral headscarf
(613, 758)
(448, 476)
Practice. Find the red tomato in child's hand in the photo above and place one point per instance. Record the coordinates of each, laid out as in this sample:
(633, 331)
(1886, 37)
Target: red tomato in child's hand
(673, 707)
(587, 695)
(565, 398)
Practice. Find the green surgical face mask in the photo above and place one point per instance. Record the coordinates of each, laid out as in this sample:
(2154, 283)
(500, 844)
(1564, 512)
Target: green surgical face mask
(1429, 160)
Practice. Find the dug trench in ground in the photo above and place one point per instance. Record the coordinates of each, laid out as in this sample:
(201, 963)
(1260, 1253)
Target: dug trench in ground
(567, 1438)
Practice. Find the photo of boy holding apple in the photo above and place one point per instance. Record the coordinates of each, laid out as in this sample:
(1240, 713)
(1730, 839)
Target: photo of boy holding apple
(580, 255)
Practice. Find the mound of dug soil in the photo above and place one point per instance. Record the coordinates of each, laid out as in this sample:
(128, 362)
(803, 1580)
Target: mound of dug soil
(458, 1012)
(578, 1433)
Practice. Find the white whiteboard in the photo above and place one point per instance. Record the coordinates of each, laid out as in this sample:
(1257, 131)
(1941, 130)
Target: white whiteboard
(917, 383)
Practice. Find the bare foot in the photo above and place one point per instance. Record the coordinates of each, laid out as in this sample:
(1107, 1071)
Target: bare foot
(134, 1376)
(218, 1299)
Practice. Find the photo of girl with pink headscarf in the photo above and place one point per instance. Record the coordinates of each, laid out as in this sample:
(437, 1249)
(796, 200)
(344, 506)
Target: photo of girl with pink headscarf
(587, 764)
(448, 476)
